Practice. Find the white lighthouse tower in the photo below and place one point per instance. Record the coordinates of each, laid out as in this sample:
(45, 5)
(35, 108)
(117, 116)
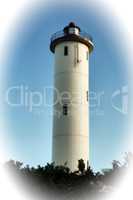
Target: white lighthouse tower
(71, 82)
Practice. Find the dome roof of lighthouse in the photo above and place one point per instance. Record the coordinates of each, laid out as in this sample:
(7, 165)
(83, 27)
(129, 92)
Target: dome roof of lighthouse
(71, 25)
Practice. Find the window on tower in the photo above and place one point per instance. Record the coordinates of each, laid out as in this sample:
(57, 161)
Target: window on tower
(65, 109)
(87, 96)
(65, 50)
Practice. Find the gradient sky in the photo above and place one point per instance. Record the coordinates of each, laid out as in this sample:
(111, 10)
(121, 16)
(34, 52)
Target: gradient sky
(31, 64)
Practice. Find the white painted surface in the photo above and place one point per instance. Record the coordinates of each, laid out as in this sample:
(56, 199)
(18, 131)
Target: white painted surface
(70, 132)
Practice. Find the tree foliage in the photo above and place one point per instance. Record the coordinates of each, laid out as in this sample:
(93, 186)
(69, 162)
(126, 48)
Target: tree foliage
(59, 179)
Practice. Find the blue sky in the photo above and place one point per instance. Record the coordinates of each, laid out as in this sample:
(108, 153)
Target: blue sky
(31, 64)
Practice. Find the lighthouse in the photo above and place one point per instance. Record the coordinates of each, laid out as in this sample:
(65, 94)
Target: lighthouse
(70, 142)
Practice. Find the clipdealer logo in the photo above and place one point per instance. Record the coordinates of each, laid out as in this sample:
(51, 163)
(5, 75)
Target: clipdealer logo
(23, 96)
